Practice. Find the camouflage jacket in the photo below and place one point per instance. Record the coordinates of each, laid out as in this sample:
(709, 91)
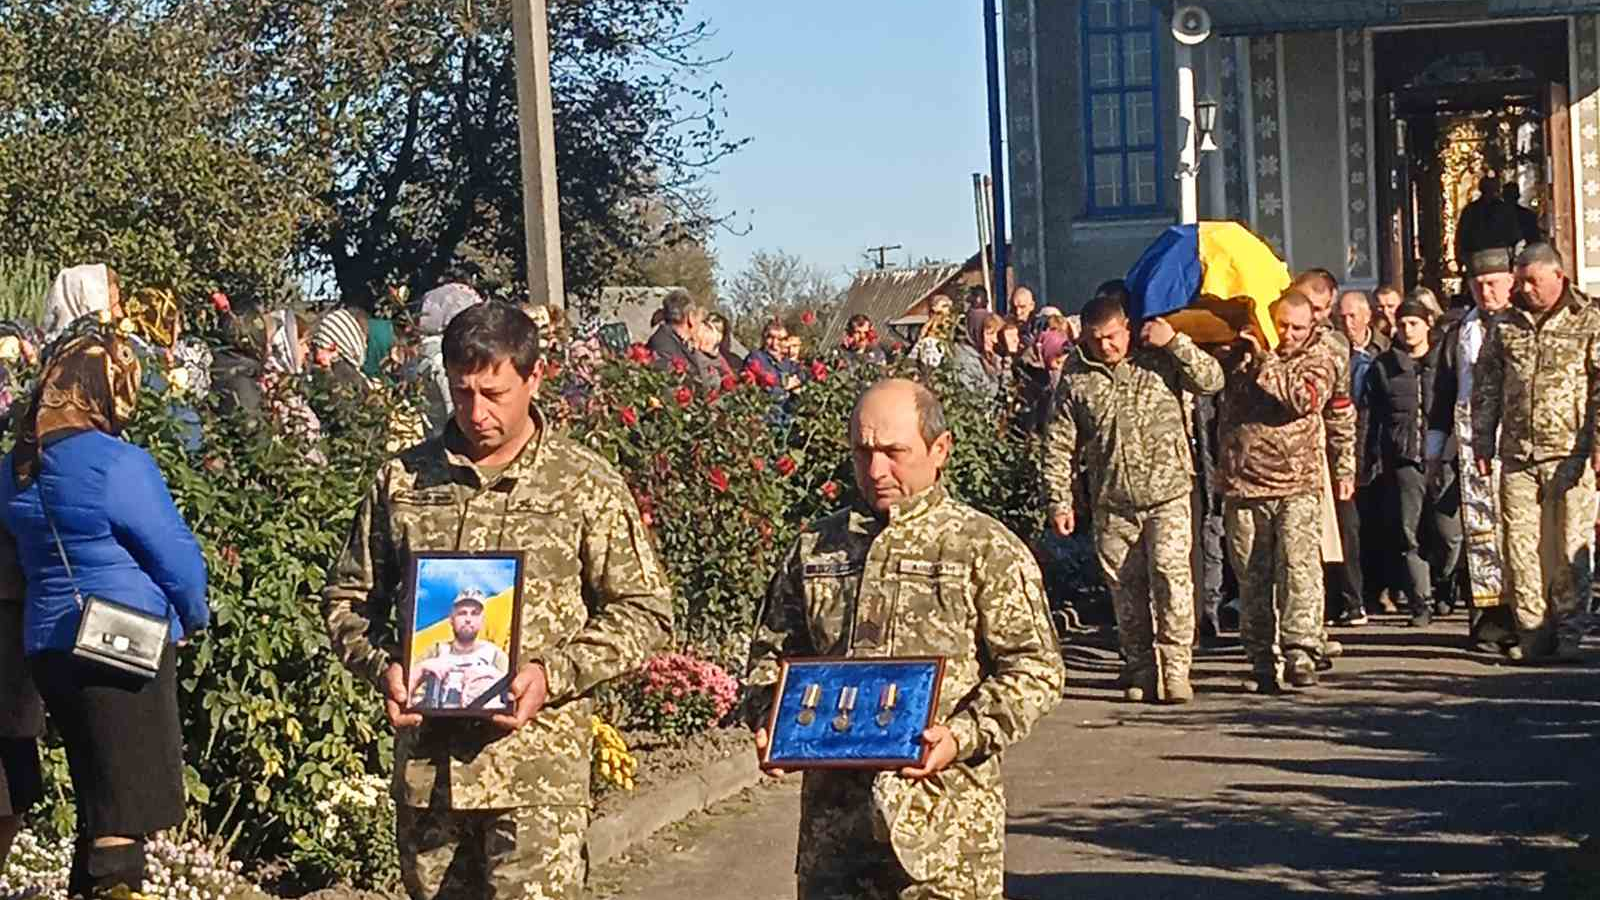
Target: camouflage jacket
(1269, 432)
(1339, 418)
(1538, 382)
(596, 602)
(1125, 426)
(934, 578)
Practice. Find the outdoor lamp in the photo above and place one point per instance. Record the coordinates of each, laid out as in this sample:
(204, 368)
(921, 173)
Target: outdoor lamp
(1205, 116)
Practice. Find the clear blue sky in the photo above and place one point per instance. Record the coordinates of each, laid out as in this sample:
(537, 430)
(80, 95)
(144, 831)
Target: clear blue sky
(867, 120)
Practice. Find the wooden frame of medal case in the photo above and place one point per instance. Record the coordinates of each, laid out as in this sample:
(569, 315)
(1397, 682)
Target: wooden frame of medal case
(408, 621)
(777, 696)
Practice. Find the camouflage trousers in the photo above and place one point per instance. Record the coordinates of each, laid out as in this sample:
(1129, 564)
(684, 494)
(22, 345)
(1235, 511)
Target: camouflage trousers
(534, 852)
(1275, 547)
(1146, 558)
(844, 852)
(1549, 511)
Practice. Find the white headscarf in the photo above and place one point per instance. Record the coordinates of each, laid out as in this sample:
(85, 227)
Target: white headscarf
(76, 292)
(283, 349)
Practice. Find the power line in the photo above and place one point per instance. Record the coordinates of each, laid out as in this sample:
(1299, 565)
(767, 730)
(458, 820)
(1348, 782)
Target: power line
(882, 252)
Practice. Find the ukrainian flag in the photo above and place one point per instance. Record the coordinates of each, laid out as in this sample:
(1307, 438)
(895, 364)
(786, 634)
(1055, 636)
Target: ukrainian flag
(1209, 281)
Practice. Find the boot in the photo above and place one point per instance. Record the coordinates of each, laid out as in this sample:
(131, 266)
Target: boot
(1178, 689)
(1141, 686)
(1264, 679)
(1421, 612)
(1300, 670)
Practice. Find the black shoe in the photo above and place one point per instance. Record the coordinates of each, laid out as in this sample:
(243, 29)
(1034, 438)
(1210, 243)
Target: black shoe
(1323, 663)
(1442, 608)
(1421, 618)
(1352, 619)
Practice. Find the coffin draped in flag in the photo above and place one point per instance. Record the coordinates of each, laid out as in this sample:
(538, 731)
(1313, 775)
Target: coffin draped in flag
(1209, 280)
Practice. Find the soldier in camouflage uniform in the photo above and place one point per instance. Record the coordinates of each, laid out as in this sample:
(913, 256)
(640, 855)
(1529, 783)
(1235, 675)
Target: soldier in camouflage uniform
(910, 572)
(1120, 418)
(1340, 422)
(501, 807)
(1270, 431)
(1537, 381)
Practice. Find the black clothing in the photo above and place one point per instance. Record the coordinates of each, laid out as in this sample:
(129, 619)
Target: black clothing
(236, 383)
(667, 347)
(1528, 224)
(1484, 225)
(1346, 587)
(124, 747)
(1401, 396)
(21, 782)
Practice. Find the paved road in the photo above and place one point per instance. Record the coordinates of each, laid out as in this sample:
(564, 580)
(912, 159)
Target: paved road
(1417, 768)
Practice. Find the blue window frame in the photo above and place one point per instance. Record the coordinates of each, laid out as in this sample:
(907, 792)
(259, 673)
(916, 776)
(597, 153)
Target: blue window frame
(1122, 148)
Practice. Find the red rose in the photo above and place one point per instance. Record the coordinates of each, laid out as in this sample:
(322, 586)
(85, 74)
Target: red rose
(786, 466)
(640, 354)
(830, 489)
(759, 464)
(769, 380)
(684, 396)
(898, 348)
(628, 416)
(808, 318)
(749, 376)
(679, 365)
(713, 395)
(819, 371)
(872, 336)
(729, 383)
(219, 302)
(718, 478)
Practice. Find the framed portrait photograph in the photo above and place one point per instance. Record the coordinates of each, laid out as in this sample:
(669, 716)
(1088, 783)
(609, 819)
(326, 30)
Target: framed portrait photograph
(462, 632)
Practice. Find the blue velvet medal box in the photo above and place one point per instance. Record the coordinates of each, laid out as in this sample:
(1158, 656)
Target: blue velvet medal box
(857, 713)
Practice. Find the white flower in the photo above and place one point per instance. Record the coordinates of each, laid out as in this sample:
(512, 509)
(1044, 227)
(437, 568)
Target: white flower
(1593, 243)
(1591, 159)
(1358, 123)
(1590, 131)
(1269, 203)
(1591, 188)
(1358, 206)
(1592, 216)
(1356, 94)
(1358, 178)
(1266, 88)
(1268, 165)
(1267, 127)
(1358, 150)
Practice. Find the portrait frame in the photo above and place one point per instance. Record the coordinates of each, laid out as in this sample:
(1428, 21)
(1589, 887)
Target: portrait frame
(439, 581)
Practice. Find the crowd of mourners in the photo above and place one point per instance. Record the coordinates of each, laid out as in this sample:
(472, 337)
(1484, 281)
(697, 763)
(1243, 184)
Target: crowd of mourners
(1380, 452)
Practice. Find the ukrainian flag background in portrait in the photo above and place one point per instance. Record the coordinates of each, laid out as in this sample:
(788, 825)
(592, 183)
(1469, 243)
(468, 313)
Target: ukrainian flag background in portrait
(441, 579)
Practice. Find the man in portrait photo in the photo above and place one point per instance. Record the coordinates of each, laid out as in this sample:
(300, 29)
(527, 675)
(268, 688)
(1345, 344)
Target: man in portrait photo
(454, 674)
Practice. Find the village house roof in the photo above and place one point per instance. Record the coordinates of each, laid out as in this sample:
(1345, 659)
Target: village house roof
(887, 295)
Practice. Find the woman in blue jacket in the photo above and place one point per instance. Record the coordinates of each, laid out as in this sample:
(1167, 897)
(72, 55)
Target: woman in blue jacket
(125, 542)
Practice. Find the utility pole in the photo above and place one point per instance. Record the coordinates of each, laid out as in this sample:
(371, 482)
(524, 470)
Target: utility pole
(536, 130)
(881, 251)
(1000, 299)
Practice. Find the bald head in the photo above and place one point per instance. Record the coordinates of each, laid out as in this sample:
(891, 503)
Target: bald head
(899, 442)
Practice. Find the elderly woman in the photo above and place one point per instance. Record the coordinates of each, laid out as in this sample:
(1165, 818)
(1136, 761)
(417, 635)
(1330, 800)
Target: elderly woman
(977, 357)
(439, 307)
(93, 518)
(81, 291)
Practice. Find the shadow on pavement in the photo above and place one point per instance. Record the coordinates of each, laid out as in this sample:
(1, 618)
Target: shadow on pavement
(1471, 781)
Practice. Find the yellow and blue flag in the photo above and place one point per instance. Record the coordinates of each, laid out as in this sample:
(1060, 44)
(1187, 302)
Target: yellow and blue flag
(1210, 280)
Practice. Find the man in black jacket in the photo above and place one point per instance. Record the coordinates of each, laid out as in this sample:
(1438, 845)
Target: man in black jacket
(673, 341)
(1402, 398)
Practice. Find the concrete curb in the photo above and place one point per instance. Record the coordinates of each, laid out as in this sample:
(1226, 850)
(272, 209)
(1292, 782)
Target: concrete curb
(672, 802)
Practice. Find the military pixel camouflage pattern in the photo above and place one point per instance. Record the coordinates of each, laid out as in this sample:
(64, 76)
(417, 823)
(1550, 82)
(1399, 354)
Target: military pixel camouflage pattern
(1125, 426)
(1538, 384)
(1339, 415)
(1273, 544)
(1268, 432)
(596, 604)
(1146, 559)
(1549, 511)
(935, 577)
(532, 852)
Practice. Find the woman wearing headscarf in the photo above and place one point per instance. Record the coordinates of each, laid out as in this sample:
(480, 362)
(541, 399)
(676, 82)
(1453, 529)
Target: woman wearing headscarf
(933, 343)
(93, 518)
(155, 323)
(81, 291)
(439, 307)
(976, 357)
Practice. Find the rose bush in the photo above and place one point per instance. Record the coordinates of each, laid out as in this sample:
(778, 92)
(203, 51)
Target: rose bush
(273, 725)
(679, 695)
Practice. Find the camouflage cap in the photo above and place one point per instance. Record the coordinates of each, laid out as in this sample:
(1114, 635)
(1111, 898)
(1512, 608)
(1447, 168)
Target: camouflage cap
(1490, 262)
(468, 597)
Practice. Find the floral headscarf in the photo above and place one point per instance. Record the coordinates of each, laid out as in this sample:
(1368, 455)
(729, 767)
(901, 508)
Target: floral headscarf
(442, 304)
(155, 315)
(91, 380)
(76, 292)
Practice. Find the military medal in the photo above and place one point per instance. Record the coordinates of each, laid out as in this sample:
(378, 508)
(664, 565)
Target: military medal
(847, 702)
(886, 702)
(808, 704)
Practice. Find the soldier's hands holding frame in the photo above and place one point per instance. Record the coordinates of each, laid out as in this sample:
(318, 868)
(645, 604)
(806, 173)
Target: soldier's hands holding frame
(529, 690)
